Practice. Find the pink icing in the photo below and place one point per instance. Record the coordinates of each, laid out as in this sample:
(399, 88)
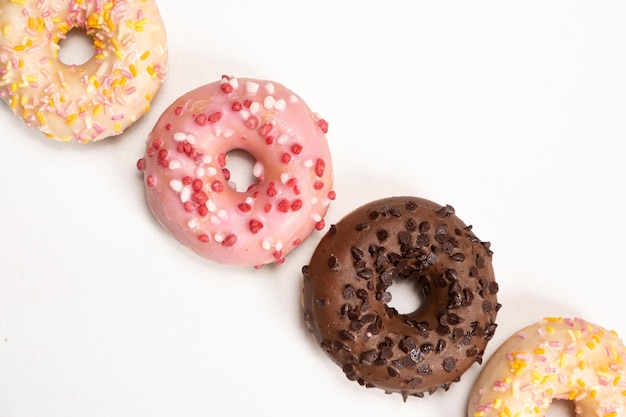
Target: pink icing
(187, 184)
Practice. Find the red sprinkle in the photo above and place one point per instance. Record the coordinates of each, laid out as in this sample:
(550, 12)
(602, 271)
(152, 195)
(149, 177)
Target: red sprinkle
(320, 166)
(266, 129)
(318, 185)
(271, 191)
(199, 197)
(332, 195)
(297, 242)
(252, 122)
(201, 119)
(286, 158)
(141, 164)
(178, 111)
(196, 185)
(221, 159)
(296, 149)
(323, 124)
(229, 241)
(245, 207)
(255, 226)
(188, 206)
(151, 152)
(203, 238)
(283, 205)
(296, 205)
(320, 225)
(269, 139)
(187, 180)
(215, 117)
(217, 186)
(247, 104)
(157, 143)
(168, 126)
(227, 88)
(236, 106)
(203, 210)
(151, 181)
(226, 174)
(278, 255)
(267, 208)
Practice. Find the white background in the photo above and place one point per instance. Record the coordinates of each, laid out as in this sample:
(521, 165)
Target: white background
(514, 112)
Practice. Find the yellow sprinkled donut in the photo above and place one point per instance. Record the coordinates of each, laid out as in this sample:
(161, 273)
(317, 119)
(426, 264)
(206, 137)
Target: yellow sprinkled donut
(86, 102)
(557, 358)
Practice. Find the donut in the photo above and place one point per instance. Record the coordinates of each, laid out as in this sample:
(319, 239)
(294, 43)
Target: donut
(346, 296)
(555, 359)
(86, 102)
(188, 184)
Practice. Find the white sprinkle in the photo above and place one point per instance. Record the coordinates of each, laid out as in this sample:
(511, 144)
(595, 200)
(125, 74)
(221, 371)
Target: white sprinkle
(316, 218)
(175, 164)
(282, 139)
(314, 201)
(249, 200)
(200, 172)
(255, 107)
(191, 139)
(211, 171)
(211, 205)
(252, 87)
(215, 220)
(245, 114)
(269, 87)
(278, 246)
(280, 105)
(176, 185)
(269, 102)
(234, 82)
(228, 133)
(206, 159)
(326, 202)
(222, 214)
(257, 170)
(293, 98)
(192, 224)
(180, 136)
(217, 130)
(308, 163)
(266, 244)
(185, 194)
(284, 177)
(218, 237)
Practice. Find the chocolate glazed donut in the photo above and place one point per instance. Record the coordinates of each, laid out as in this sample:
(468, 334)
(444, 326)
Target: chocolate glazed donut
(346, 298)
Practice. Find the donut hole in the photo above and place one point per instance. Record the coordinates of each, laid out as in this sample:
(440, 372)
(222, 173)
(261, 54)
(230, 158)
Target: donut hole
(561, 408)
(77, 47)
(239, 170)
(406, 296)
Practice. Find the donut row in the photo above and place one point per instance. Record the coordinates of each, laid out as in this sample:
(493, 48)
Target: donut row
(346, 286)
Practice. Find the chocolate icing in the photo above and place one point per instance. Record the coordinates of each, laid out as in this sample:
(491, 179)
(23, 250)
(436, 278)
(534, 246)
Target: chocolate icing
(345, 295)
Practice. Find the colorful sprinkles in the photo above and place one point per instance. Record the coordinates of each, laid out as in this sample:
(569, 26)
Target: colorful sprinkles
(85, 102)
(188, 149)
(557, 358)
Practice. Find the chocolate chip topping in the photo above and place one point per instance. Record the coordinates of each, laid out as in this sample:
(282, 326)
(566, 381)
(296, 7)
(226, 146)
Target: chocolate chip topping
(345, 296)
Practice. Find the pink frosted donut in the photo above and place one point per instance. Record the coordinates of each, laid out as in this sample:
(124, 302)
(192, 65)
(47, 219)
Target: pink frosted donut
(86, 102)
(187, 182)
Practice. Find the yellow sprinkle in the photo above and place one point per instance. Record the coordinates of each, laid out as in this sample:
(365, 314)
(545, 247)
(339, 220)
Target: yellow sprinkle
(118, 127)
(554, 319)
(150, 70)
(20, 2)
(562, 359)
(617, 380)
(507, 412)
(31, 23)
(549, 329)
(133, 70)
(41, 118)
(19, 48)
(148, 96)
(98, 109)
(145, 55)
(582, 365)
(540, 351)
(581, 383)
(479, 414)
(612, 414)
(71, 119)
(497, 403)
(6, 29)
(593, 393)
(580, 354)
(573, 394)
(119, 54)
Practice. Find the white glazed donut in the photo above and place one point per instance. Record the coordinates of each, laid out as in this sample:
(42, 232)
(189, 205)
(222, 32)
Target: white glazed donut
(187, 182)
(557, 358)
(86, 102)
